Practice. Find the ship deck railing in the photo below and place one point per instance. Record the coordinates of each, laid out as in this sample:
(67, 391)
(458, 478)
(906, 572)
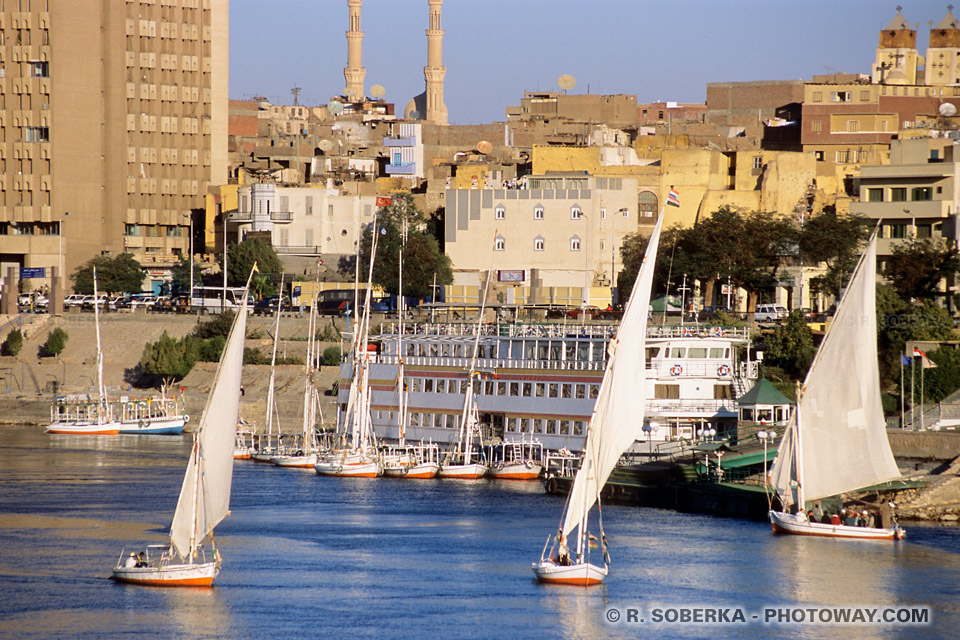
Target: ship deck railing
(559, 330)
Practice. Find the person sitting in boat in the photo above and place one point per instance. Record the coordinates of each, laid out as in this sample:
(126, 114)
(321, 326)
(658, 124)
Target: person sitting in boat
(563, 553)
(141, 560)
(835, 519)
(825, 518)
(862, 522)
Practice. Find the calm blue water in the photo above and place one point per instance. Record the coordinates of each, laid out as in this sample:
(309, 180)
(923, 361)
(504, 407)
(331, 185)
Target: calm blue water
(311, 556)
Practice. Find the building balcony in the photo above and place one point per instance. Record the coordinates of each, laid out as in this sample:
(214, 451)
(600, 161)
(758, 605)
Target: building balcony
(292, 250)
(400, 142)
(246, 217)
(407, 169)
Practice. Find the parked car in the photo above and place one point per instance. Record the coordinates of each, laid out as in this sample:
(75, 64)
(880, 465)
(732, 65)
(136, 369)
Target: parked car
(590, 312)
(34, 300)
(73, 300)
(769, 313)
(135, 300)
(102, 301)
(269, 304)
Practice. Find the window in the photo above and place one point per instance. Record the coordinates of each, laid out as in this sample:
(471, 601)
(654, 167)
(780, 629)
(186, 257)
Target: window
(575, 212)
(818, 155)
(898, 194)
(666, 391)
(758, 162)
(883, 125)
(500, 212)
(131, 230)
(874, 195)
(843, 156)
(538, 212)
(818, 96)
(853, 126)
(816, 126)
(840, 96)
(574, 243)
(39, 69)
(538, 244)
(527, 389)
(922, 193)
(514, 388)
(539, 389)
(646, 205)
(36, 134)
(897, 231)
(499, 244)
(864, 96)
(923, 231)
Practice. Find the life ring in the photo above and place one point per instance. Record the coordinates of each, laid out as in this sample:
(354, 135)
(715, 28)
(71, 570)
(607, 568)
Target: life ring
(340, 469)
(499, 466)
(551, 485)
(529, 464)
(404, 471)
(723, 370)
(676, 370)
(186, 418)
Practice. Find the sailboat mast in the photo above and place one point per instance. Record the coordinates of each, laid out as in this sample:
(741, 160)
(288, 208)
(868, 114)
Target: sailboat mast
(401, 401)
(798, 454)
(196, 496)
(101, 395)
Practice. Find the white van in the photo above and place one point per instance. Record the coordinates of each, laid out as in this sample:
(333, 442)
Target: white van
(769, 313)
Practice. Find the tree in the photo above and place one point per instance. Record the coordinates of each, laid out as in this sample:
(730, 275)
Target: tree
(834, 240)
(422, 258)
(791, 347)
(916, 269)
(181, 274)
(122, 274)
(167, 358)
(331, 356)
(56, 342)
(240, 259)
(898, 321)
(14, 342)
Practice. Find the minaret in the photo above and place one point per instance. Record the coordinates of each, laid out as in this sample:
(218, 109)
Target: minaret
(434, 72)
(943, 55)
(897, 59)
(354, 72)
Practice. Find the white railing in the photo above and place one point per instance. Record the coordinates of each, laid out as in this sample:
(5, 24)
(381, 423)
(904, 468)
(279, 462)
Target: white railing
(707, 406)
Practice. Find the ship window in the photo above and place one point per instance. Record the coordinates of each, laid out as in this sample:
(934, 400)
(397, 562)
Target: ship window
(453, 422)
(428, 385)
(564, 427)
(538, 426)
(578, 428)
(723, 392)
(565, 391)
(421, 349)
(598, 351)
(458, 351)
(477, 387)
(488, 388)
(433, 351)
(581, 391)
(516, 349)
(417, 385)
(527, 389)
(501, 388)
(539, 390)
(511, 424)
(594, 391)
(677, 352)
(451, 386)
(570, 351)
(555, 350)
(411, 349)
(583, 351)
(463, 387)
(697, 352)
(525, 425)
(716, 352)
(552, 390)
(552, 427)
(514, 388)
(666, 391)
(529, 350)
(445, 350)
(543, 350)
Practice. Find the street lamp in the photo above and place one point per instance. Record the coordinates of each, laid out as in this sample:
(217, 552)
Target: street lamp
(648, 429)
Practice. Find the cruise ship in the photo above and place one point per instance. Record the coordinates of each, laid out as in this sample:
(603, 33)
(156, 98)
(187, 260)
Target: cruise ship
(539, 382)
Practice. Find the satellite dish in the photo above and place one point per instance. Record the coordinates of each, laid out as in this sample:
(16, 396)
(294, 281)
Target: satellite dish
(349, 92)
(325, 145)
(566, 82)
(484, 147)
(377, 91)
(335, 107)
(947, 109)
(415, 115)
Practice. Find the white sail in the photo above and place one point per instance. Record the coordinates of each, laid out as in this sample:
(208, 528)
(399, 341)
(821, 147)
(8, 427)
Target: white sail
(617, 418)
(839, 422)
(205, 495)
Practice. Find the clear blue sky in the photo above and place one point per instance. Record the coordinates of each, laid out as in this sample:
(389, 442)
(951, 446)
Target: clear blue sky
(494, 50)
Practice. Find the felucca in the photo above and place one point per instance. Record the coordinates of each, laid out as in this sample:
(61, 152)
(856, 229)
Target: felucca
(836, 440)
(205, 493)
(614, 426)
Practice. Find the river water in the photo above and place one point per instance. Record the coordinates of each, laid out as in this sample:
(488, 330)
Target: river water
(311, 556)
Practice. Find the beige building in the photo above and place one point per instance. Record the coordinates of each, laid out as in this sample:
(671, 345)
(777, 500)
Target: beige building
(561, 230)
(115, 112)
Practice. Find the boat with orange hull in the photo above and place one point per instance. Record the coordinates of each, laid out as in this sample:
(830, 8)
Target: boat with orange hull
(521, 460)
(576, 575)
(85, 428)
(799, 525)
(350, 470)
(473, 471)
(301, 461)
(205, 493)
(526, 470)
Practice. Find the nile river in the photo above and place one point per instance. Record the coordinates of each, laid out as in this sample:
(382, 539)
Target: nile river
(307, 556)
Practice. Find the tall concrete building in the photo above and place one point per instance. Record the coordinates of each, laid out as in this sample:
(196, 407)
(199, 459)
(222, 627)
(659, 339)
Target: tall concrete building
(116, 112)
(354, 72)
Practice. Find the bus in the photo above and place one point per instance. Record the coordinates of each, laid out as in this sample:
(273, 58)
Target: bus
(339, 301)
(212, 297)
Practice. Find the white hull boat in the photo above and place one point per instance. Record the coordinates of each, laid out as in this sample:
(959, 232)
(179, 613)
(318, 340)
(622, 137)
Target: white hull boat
(354, 470)
(85, 428)
(523, 470)
(296, 461)
(473, 471)
(796, 524)
(581, 574)
(415, 471)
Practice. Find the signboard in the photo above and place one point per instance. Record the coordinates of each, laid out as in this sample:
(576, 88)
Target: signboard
(296, 291)
(516, 275)
(33, 272)
(725, 289)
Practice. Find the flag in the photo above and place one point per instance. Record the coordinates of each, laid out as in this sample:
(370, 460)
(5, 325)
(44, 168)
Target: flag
(928, 364)
(673, 198)
(917, 352)
(256, 269)
(383, 231)
(384, 202)
(593, 541)
(906, 360)
(319, 261)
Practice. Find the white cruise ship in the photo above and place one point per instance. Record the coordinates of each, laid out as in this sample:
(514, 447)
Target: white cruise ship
(540, 381)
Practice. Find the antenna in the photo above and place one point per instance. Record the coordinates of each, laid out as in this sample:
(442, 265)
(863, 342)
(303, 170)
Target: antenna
(296, 95)
(566, 82)
(377, 91)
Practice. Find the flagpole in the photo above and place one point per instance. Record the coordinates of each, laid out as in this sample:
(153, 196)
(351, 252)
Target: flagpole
(922, 367)
(913, 363)
(901, 392)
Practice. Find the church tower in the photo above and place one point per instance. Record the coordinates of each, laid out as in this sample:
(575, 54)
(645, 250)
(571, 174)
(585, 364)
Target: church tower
(943, 55)
(434, 72)
(354, 73)
(897, 58)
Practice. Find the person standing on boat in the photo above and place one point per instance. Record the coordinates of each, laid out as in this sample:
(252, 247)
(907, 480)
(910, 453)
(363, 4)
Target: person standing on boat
(563, 553)
(817, 513)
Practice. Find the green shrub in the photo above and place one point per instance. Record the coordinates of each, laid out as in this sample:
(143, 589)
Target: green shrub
(252, 355)
(13, 343)
(56, 342)
(331, 356)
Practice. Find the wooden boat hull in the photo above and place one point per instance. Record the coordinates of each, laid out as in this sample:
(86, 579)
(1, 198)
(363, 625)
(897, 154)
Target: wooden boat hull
(85, 428)
(262, 457)
(583, 574)
(422, 471)
(527, 470)
(357, 470)
(473, 471)
(239, 454)
(299, 462)
(787, 524)
(170, 575)
(156, 426)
